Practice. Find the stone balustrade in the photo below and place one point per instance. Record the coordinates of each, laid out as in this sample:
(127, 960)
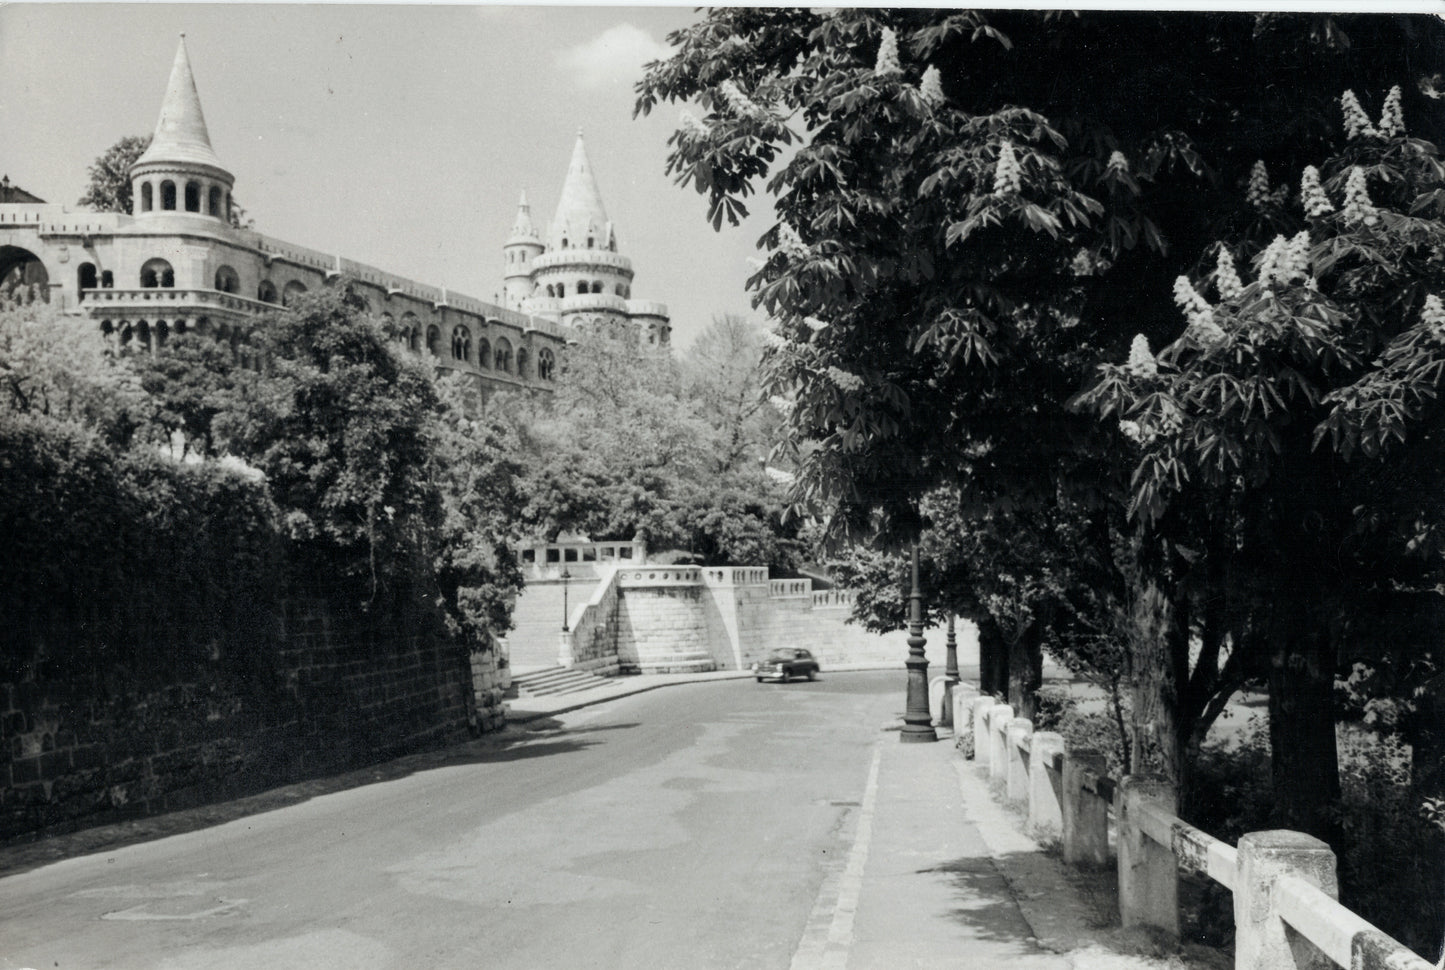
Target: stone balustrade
(584, 559)
(1286, 911)
(166, 299)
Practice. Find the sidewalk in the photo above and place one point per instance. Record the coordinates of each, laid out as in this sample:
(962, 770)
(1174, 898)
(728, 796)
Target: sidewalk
(939, 876)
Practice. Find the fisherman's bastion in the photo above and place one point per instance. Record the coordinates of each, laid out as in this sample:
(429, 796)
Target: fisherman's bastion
(178, 264)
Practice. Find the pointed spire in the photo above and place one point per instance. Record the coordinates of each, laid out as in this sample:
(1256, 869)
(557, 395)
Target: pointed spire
(522, 228)
(579, 211)
(181, 134)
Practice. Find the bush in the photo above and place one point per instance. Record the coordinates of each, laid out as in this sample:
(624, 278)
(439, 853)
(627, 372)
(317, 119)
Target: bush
(1052, 704)
(1097, 731)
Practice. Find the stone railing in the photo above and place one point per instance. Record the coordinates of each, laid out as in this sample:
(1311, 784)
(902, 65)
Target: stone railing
(546, 561)
(630, 576)
(166, 299)
(1286, 912)
(590, 643)
(735, 575)
(833, 598)
(779, 588)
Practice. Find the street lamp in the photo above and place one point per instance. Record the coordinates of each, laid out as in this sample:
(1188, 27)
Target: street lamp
(566, 576)
(950, 677)
(917, 725)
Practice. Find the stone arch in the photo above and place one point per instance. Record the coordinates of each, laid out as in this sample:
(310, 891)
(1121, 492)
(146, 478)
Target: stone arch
(123, 335)
(193, 196)
(157, 272)
(461, 343)
(168, 195)
(23, 276)
(227, 280)
(292, 290)
(143, 334)
(502, 356)
(484, 353)
(107, 280)
(546, 364)
(266, 292)
(561, 290)
(162, 333)
(214, 201)
(434, 340)
(147, 197)
(522, 362)
(84, 279)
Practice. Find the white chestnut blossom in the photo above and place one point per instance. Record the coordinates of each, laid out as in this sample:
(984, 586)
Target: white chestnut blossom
(1358, 207)
(1118, 163)
(690, 124)
(1007, 173)
(791, 243)
(1226, 277)
(1312, 194)
(844, 380)
(1257, 194)
(1432, 314)
(1357, 123)
(1141, 361)
(1392, 118)
(887, 63)
(931, 87)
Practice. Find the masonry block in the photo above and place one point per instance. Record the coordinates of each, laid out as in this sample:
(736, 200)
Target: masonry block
(1045, 784)
(1017, 732)
(1262, 940)
(1085, 814)
(1148, 872)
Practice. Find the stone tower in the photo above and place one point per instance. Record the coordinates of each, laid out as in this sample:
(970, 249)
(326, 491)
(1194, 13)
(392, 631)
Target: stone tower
(523, 246)
(577, 277)
(179, 179)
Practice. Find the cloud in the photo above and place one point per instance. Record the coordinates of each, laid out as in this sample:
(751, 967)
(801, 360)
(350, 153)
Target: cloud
(614, 56)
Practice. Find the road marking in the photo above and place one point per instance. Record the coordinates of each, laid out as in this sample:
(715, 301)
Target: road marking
(828, 935)
(142, 914)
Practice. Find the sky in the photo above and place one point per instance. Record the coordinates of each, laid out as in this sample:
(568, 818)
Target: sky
(399, 136)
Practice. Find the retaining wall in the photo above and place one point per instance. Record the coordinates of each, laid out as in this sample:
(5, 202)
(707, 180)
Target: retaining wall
(341, 693)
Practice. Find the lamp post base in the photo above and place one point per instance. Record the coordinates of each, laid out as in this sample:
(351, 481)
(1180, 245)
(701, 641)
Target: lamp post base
(917, 723)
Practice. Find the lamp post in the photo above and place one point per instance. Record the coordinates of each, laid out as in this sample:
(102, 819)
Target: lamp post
(566, 576)
(950, 676)
(917, 725)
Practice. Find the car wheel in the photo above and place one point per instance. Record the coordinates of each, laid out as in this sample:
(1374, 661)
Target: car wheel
(760, 679)
(812, 675)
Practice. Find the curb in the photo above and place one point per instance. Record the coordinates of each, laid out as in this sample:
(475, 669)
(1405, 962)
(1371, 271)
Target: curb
(609, 693)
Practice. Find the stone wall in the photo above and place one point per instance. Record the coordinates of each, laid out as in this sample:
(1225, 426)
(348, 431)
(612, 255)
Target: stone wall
(341, 693)
(671, 619)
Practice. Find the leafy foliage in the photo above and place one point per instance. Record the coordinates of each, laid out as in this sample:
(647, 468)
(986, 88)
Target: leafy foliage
(109, 188)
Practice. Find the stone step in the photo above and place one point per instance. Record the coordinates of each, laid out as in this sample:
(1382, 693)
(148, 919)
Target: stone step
(553, 681)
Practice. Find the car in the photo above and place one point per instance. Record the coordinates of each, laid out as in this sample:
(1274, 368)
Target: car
(784, 664)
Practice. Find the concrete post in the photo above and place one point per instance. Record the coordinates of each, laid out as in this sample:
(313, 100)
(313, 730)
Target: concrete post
(1016, 730)
(1261, 941)
(998, 717)
(963, 698)
(1148, 873)
(981, 706)
(1086, 815)
(1044, 783)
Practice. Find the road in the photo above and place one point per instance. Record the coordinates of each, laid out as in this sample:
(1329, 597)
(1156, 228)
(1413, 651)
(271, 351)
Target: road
(685, 827)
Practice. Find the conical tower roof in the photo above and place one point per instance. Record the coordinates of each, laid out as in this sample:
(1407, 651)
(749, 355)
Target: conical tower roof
(181, 136)
(522, 229)
(579, 211)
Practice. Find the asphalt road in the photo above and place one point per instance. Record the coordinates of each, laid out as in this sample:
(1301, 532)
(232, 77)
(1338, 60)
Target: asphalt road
(685, 827)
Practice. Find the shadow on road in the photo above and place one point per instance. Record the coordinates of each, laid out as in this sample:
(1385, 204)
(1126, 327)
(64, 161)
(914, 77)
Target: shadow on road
(539, 739)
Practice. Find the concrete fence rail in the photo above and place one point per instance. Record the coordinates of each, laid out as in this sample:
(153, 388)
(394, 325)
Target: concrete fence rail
(1286, 910)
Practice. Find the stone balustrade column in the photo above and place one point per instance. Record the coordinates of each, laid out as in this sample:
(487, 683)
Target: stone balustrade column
(1086, 815)
(963, 697)
(1261, 939)
(981, 706)
(1045, 786)
(1148, 872)
(1017, 731)
(998, 717)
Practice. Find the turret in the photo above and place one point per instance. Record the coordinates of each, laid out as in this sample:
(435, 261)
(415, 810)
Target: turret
(179, 174)
(523, 246)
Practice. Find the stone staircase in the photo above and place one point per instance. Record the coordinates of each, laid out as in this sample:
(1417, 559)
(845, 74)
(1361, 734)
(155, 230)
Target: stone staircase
(552, 681)
(533, 641)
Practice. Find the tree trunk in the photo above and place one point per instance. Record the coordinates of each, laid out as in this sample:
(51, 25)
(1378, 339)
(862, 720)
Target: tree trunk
(1305, 765)
(992, 659)
(1025, 671)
